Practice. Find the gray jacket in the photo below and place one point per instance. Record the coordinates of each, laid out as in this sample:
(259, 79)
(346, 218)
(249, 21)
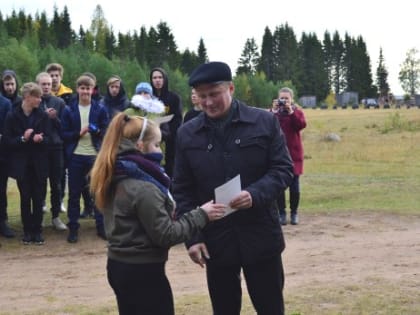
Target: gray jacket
(138, 221)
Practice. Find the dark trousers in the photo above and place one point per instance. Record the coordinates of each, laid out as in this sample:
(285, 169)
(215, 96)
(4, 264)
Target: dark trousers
(264, 280)
(140, 288)
(79, 168)
(56, 164)
(294, 197)
(3, 190)
(87, 198)
(31, 190)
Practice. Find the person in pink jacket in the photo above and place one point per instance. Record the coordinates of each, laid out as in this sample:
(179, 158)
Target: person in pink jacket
(292, 121)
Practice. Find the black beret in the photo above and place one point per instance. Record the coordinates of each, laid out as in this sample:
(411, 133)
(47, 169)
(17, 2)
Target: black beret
(210, 72)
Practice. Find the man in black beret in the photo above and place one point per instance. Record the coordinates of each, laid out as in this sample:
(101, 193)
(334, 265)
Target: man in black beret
(233, 139)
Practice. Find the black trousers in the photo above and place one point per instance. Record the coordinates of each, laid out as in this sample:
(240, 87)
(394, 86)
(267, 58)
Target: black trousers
(31, 190)
(141, 288)
(264, 280)
(56, 165)
(3, 190)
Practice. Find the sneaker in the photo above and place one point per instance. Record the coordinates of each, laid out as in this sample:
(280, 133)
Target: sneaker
(294, 219)
(44, 208)
(5, 230)
(27, 238)
(87, 213)
(58, 224)
(100, 231)
(38, 239)
(63, 207)
(73, 236)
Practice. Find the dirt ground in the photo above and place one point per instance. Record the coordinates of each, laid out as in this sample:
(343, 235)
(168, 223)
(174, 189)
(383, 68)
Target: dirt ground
(324, 249)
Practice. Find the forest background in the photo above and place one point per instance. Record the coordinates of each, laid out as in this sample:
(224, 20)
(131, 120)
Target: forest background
(310, 66)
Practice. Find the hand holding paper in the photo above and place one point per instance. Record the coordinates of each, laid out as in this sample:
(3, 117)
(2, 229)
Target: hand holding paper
(227, 192)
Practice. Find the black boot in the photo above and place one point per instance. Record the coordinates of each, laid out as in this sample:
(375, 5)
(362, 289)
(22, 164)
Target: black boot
(281, 204)
(5, 230)
(294, 204)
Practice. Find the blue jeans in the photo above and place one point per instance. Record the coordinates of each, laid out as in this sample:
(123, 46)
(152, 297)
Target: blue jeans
(79, 168)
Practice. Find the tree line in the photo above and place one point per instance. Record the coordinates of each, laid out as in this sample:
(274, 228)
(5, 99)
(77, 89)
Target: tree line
(308, 66)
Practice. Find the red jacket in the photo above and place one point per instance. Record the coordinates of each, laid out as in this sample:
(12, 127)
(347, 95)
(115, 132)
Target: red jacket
(292, 126)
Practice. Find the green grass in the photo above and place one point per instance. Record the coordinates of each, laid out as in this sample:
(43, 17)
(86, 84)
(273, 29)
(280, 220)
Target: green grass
(368, 169)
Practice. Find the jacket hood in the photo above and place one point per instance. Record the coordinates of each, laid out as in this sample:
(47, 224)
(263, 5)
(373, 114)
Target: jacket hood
(165, 87)
(12, 74)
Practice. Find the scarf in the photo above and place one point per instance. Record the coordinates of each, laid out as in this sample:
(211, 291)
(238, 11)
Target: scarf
(139, 166)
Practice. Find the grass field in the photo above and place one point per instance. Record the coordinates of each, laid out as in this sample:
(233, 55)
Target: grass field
(374, 168)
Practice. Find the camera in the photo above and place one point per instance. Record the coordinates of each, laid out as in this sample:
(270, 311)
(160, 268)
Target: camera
(93, 128)
(282, 106)
(281, 102)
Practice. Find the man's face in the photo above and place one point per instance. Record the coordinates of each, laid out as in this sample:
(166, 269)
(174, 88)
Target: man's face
(215, 99)
(9, 86)
(56, 79)
(85, 94)
(157, 79)
(45, 83)
(114, 88)
(33, 100)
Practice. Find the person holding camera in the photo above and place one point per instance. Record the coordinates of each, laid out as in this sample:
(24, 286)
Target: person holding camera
(292, 121)
(83, 127)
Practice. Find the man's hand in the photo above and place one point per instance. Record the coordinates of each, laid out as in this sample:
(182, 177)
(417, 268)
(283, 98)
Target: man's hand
(197, 254)
(84, 131)
(242, 201)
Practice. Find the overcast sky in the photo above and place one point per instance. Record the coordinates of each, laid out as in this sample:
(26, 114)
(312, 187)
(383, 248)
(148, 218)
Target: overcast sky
(225, 25)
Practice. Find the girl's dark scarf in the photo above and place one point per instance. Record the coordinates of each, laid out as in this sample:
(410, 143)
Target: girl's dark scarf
(136, 165)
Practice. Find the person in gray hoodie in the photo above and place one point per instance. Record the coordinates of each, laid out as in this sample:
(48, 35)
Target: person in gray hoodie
(132, 191)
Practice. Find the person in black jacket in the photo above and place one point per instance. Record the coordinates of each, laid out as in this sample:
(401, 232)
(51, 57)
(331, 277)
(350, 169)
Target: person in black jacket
(27, 132)
(115, 99)
(54, 107)
(9, 87)
(232, 139)
(5, 230)
(196, 107)
(172, 102)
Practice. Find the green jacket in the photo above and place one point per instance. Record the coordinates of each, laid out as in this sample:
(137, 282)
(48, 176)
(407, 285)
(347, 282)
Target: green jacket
(138, 221)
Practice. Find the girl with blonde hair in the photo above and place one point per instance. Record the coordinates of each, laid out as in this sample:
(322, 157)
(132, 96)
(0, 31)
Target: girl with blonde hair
(132, 191)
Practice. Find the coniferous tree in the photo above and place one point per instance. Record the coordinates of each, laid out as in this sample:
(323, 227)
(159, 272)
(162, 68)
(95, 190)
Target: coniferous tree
(12, 25)
(141, 48)
(285, 51)
(382, 76)
(167, 49)
(337, 63)
(314, 77)
(55, 27)
(22, 25)
(110, 42)
(189, 60)
(266, 62)
(82, 36)
(363, 70)
(202, 53)
(249, 58)
(328, 58)
(43, 31)
(66, 36)
(152, 49)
